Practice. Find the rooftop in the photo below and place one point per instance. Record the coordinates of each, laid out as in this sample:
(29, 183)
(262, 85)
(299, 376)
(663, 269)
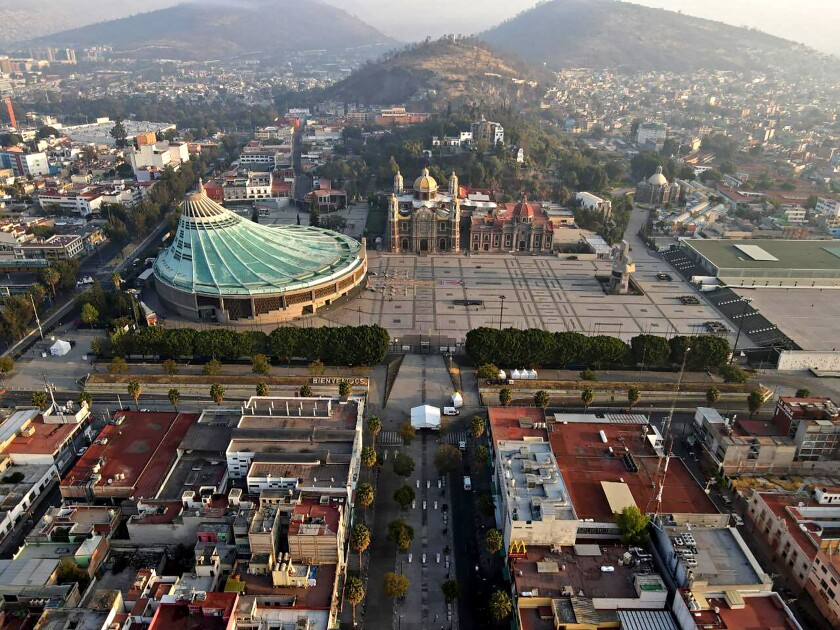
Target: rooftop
(760, 612)
(769, 254)
(316, 597)
(217, 252)
(534, 488)
(517, 423)
(45, 439)
(310, 518)
(723, 558)
(208, 611)
(133, 458)
(585, 463)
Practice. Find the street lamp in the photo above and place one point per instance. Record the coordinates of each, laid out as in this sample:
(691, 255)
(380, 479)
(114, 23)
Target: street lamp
(502, 299)
(740, 326)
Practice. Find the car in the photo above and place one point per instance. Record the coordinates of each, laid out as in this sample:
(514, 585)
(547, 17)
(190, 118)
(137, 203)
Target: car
(607, 569)
(451, 411)
(739, 522)
(81, 451)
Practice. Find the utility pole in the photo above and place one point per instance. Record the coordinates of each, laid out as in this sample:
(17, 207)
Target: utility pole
(740, 326)
(37, 319)
(501, 309)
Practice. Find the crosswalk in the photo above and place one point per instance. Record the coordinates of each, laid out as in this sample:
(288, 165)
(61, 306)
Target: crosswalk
(389, 438)
(455, 437)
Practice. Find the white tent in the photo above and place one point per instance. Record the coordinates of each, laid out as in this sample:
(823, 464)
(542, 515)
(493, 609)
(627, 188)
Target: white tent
(60, 348)
(425, 417)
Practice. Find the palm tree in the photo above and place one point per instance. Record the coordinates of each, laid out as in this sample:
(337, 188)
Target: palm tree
(86, 399)
(262, 389)
(500, 605)
(217, 393)
(39, 399)
(586, 397)
(633, 396)
(134, 390)
(174, 396)
(360, 540)
(354, 591)
(493, 540)
(542, 399)
(305, 391)
(374, 426)
(368, 458)
(505, 397)
(51, 276)
(477, 426)
(712, 396)
(364, 495)
(117, 280)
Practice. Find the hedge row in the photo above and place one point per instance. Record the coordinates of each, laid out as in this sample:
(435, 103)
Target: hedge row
(535, 348)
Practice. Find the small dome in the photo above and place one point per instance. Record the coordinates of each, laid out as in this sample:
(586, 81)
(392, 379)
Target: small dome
(425, 183)
(524, 209)
(658, 179)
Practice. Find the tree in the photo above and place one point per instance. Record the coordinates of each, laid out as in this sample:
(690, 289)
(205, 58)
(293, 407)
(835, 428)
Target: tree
(400, 533)
(368, 457)
(403, 465)
(118, 133)
(86, 399)
(170, 367)
(488, 371)
(50, 276)
(803, 392)
(447, 459)
(344, 389)
(712, 396)
(493, 541)
(7, 364)
(174, 396)
(212, 368)
(354, 592)
(360, 540)
(505, 396)
(404, 495)
(217, 393)
(260, 364)
(754, 401)
(588, 375)
(69, 572)
(481, 455)
(650, 350)
(633, 396)
(395, 585)
(451, 589)
(262, 389)
(587, 396)
(542, 399)
(117, 280)
(477, 426)
(365, 495)
(134, 390)
(305, 391)
(732, 374)
(500, 605)
(633, 525)
(485, 505)
(89, 314)
(406, 432)
(374, 426)
(39, 399)
(118, 366)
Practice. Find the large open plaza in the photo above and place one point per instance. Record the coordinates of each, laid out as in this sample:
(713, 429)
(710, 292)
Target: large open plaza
(411, 295)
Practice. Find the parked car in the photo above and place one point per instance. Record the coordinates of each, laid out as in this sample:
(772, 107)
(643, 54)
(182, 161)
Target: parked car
(451, 411)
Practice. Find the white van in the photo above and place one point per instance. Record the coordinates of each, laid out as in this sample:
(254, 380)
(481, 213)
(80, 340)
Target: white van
(451, 411)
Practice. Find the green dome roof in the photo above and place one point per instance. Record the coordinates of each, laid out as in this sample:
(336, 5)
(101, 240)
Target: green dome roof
(217, 252)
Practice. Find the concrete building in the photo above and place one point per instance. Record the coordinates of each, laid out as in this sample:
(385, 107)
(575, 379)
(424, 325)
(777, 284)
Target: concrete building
(148, 160)
(593, 202)
(56, 247)
(84, 201)
(24, 164)
(490, 132)
(524, 227)
(651, 133)
(20, 488)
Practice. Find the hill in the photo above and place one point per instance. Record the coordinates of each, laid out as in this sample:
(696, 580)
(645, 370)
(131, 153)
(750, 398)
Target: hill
(609, 34)
(446, 71)
(207, 31)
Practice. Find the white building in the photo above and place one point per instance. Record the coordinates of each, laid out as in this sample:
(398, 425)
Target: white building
(23, 164)
(17, 495)
(491, 132)
(156, 157)
(82, 202)
(651, 133)
(593, 202)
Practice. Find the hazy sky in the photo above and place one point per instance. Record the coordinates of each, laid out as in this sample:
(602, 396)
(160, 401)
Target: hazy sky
(813, 22)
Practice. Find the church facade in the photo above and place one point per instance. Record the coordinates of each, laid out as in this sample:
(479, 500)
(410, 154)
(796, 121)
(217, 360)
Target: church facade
(521, 227)
(656, 190)
(424, 219)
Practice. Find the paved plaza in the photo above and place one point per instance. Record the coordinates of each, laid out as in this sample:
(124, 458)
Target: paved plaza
(411, 295)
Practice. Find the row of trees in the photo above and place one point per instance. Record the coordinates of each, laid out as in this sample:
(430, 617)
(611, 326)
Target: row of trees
(345, 345)
(533, 348)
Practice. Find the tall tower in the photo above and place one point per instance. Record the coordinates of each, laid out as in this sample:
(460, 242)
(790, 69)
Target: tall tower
(11, 110)
(456, 220)
(394, 222)
(453, 185)
(398, 183)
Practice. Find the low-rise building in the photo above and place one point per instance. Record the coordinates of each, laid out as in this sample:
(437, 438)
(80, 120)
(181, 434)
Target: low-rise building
(84, 201)
(23, 163)
(593, 202)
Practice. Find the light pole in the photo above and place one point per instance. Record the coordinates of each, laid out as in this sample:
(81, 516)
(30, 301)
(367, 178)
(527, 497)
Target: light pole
(740, 326)
(502, 299)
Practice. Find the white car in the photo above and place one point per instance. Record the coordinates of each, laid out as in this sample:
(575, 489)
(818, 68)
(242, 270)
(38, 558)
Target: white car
(451, 411)
(607, 569)
(81, 451)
